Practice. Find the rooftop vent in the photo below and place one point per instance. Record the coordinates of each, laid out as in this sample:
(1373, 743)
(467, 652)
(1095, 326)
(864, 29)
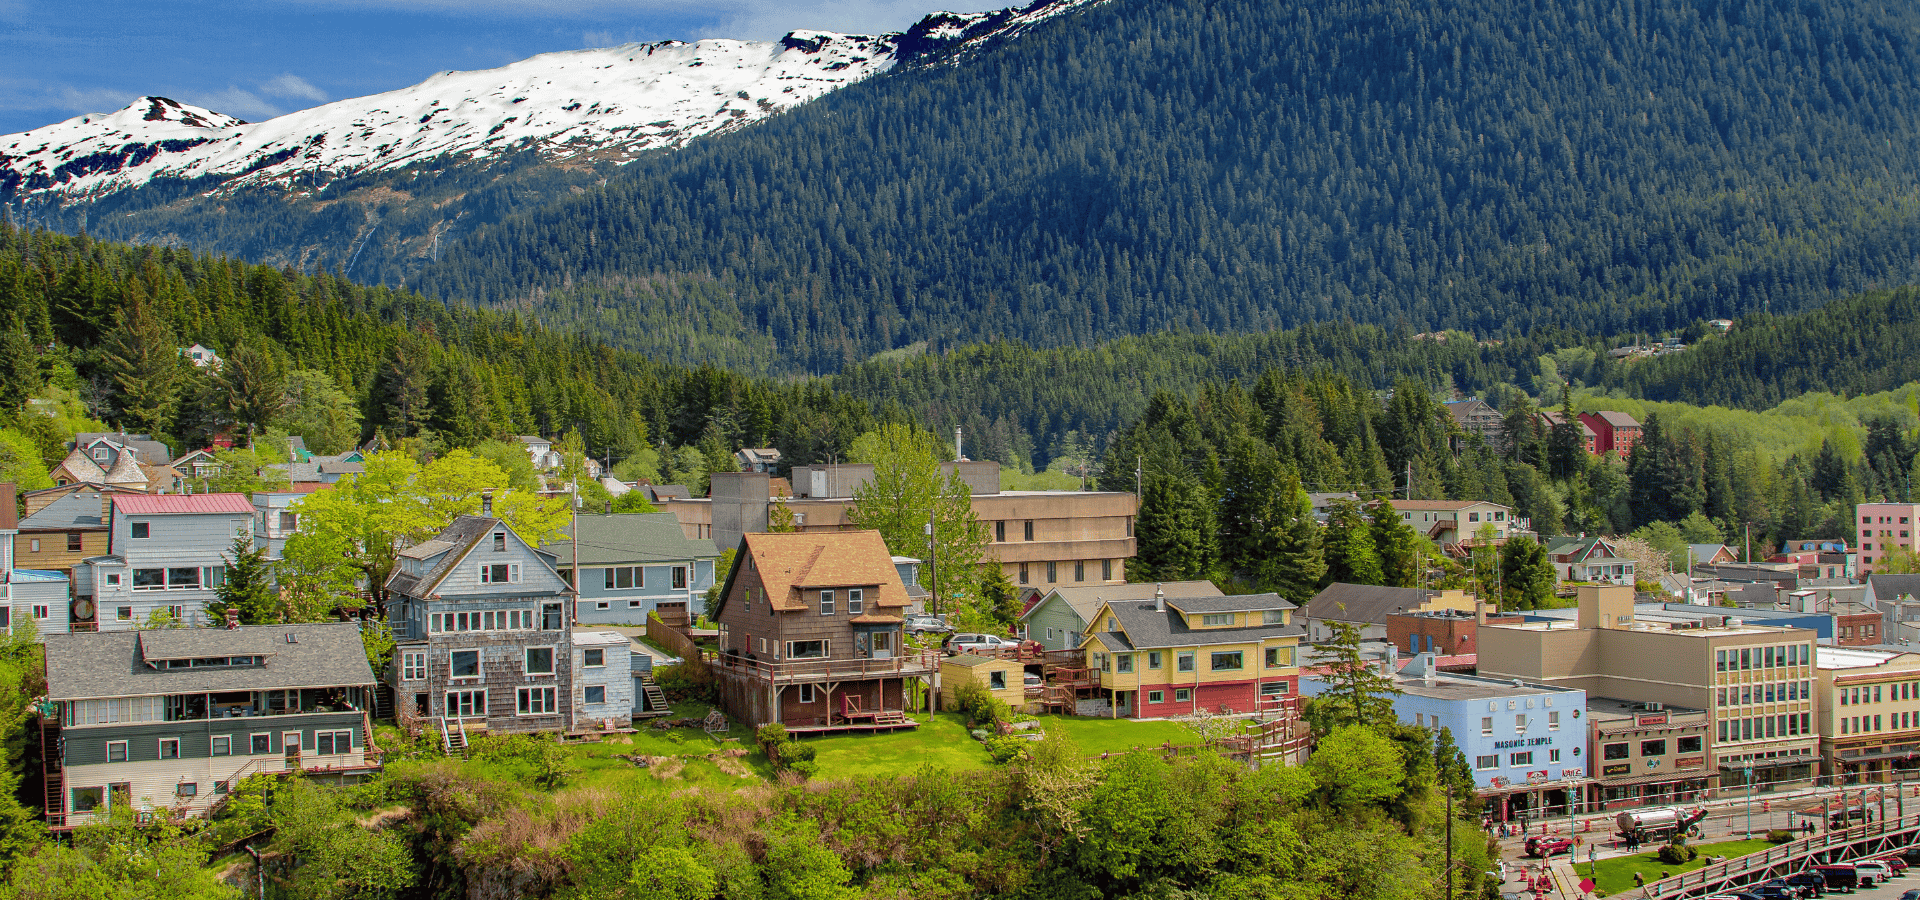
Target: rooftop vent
(292, 638)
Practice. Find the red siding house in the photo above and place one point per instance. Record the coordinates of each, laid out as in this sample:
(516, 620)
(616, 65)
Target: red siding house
(1613, 432)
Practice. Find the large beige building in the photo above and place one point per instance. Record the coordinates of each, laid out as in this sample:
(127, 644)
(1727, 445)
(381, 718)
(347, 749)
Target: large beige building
(1868, 711)
(1754, 681)
(1042, 539)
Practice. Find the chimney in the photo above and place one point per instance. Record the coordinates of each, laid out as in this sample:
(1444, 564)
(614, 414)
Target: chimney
(486, 503)
(958, 448)
(233, 618)
(1160, 597)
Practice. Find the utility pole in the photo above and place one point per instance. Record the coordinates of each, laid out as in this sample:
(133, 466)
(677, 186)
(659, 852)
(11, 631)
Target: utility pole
(1441, 765)
(933, 568)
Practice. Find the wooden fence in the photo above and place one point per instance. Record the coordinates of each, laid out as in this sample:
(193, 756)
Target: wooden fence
(667, 638)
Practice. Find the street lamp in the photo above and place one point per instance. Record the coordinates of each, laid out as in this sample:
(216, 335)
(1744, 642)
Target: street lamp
(1749, 801)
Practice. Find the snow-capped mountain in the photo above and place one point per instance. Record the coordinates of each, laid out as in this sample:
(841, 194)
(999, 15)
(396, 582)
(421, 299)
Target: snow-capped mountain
(612, 103)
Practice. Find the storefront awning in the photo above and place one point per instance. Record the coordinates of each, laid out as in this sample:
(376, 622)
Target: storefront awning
(1630, 780)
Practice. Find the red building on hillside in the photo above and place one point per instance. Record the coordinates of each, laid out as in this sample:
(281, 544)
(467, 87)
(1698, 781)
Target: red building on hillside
(1613, 432)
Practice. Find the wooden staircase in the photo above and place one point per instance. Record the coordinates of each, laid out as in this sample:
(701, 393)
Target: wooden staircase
(453, 737)
(53, 775)
(656, 698)
(382, 703)
(889, 717)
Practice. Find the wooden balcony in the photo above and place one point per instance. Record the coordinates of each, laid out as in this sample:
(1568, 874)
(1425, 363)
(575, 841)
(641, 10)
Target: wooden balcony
(911, 664)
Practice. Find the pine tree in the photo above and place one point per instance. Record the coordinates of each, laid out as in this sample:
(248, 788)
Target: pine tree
(1355, 693)
(145, 370)
(1396, 545)
(1351, 555)
(248, 587)
(1176, 533)
(1526, 575)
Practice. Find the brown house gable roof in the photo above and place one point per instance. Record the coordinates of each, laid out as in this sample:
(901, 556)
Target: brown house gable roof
(789, 563)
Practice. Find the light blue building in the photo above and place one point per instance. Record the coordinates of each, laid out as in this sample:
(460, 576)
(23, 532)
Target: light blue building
(1526, 743)
(635, 565)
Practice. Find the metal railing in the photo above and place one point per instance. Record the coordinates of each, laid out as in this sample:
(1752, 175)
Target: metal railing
(1869, 839)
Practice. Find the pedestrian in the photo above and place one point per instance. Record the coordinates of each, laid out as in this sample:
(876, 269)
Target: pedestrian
(1639, 881)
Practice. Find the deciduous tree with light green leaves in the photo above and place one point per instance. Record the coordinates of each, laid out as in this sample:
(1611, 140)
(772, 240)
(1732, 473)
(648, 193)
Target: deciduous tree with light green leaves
(350, 534)
(907, 491)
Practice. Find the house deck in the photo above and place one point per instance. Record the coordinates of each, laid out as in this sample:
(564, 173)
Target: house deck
(798, 731)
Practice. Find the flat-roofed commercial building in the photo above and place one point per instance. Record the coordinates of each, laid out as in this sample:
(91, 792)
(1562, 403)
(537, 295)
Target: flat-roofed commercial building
(1754, 681)
(1868, 711)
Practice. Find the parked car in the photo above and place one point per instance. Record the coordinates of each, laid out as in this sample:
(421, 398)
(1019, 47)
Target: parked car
(1811, 880)
(1544, 847)
(1910, 895)
(1839, 878)
(1033, 682)
(922, 623)
(1771, 891)
(1872, 873)
(1800, 892)
(975, 643)
(1894, 862)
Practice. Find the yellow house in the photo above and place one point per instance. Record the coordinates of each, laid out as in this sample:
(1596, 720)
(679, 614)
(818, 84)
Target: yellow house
(1003, 678)
(1175, 656)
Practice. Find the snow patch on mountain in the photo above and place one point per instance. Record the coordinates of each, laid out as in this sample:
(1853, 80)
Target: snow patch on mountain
(612, 103)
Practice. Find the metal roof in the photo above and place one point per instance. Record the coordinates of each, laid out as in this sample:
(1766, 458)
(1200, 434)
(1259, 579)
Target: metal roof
(113, 663)
(182, 504)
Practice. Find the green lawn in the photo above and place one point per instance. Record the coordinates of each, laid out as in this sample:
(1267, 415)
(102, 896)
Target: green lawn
(1616, 875)
(1097, 736)
(942, 741)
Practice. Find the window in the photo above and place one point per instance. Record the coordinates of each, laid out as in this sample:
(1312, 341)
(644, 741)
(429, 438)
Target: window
(169, 748)
(1023, 573)
(593, 658)
(596, 693)
(1216, 619)
(1553, 721)
(807, 649)
(1521, 759)
(142, 529)
(1156, 696)
(123, 613)
(624, 577)
(1123, 662)
(466, 704)
(1053, 572)
(1279, 657)
(87, 799)
(1183, 661)
(333, 743)
(466, 664)
(74, 543)
(1000, 532)
(222, 746)
(289, 522)
(116, 751)
(1153, 659)
(1226, 661)
(856, 601)
(996, 681)
(1520, 722)
(40, 611)
(679, 578)
(538, 701)
(1029, 529)
(1615, 751)
(413, 665)
(1079, 570)
(1182, 695)
(1553, 755)
(539, 661)
(149, 579)
(826, 603)
(1106, 570)
(550, 618)
(1687, 744)
(1487, 762)
(1653, 748)
(500, 573)
(260, 744)
(499, 542)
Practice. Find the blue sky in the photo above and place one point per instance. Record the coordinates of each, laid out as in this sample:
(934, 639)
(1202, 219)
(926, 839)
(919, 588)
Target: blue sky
(255, 60)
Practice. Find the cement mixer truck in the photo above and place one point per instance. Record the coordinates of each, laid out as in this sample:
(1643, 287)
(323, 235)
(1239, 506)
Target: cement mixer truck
(1658, 823)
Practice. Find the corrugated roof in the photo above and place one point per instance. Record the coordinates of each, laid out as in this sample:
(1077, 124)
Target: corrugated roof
(631, 539)
(182, 504)
(1235, 603)
(1085, 601)
(80, 509)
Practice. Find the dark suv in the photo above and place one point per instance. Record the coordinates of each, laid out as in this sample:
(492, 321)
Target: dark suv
(1810, 880)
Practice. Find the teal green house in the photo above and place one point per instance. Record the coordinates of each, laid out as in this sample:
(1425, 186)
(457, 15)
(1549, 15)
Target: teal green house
(1058, 621)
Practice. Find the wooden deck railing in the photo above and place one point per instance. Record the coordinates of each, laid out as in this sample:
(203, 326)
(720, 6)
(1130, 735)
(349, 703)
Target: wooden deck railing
(911, 663)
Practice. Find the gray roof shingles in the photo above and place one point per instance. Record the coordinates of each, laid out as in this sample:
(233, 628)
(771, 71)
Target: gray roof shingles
(1368, 603)
(460, 536)
(113, 663)
(80, 509)
(632, 539)
(1144, 627)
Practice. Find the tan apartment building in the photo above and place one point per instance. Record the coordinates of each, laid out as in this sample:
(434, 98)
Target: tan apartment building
(1868, 712)
(1754, 681)
(1453, 524)
(1647, 753)
(1042, 539)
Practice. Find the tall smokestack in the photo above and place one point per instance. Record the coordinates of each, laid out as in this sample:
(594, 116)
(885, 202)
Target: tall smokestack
(1160, 597)
(959, 451)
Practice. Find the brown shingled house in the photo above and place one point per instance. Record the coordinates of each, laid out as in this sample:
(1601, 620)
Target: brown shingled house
(810, 634)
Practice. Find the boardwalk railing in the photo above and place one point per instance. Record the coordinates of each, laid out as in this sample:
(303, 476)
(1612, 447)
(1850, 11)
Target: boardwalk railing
(913, 663)
(1866, 840)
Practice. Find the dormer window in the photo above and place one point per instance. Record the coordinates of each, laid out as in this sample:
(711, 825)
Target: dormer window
(1216, 620)
(499, 542)
(1273, 617)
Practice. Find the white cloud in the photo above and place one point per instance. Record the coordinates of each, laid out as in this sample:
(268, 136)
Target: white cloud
(32, 95)
(595, 39)
(749, 19)
(234, 101)
(293, 87)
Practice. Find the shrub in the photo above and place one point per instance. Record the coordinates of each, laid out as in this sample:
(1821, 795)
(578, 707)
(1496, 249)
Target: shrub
(1676, 853)
(1004, 747)
(980, 706)
(769, 737)
(689, 680)
(1780, 836)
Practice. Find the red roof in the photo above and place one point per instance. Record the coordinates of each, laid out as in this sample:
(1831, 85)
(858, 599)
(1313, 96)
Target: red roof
(182, 504)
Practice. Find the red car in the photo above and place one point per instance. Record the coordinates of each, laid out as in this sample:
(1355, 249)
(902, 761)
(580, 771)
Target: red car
(1544, 847)
(1897, 864)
